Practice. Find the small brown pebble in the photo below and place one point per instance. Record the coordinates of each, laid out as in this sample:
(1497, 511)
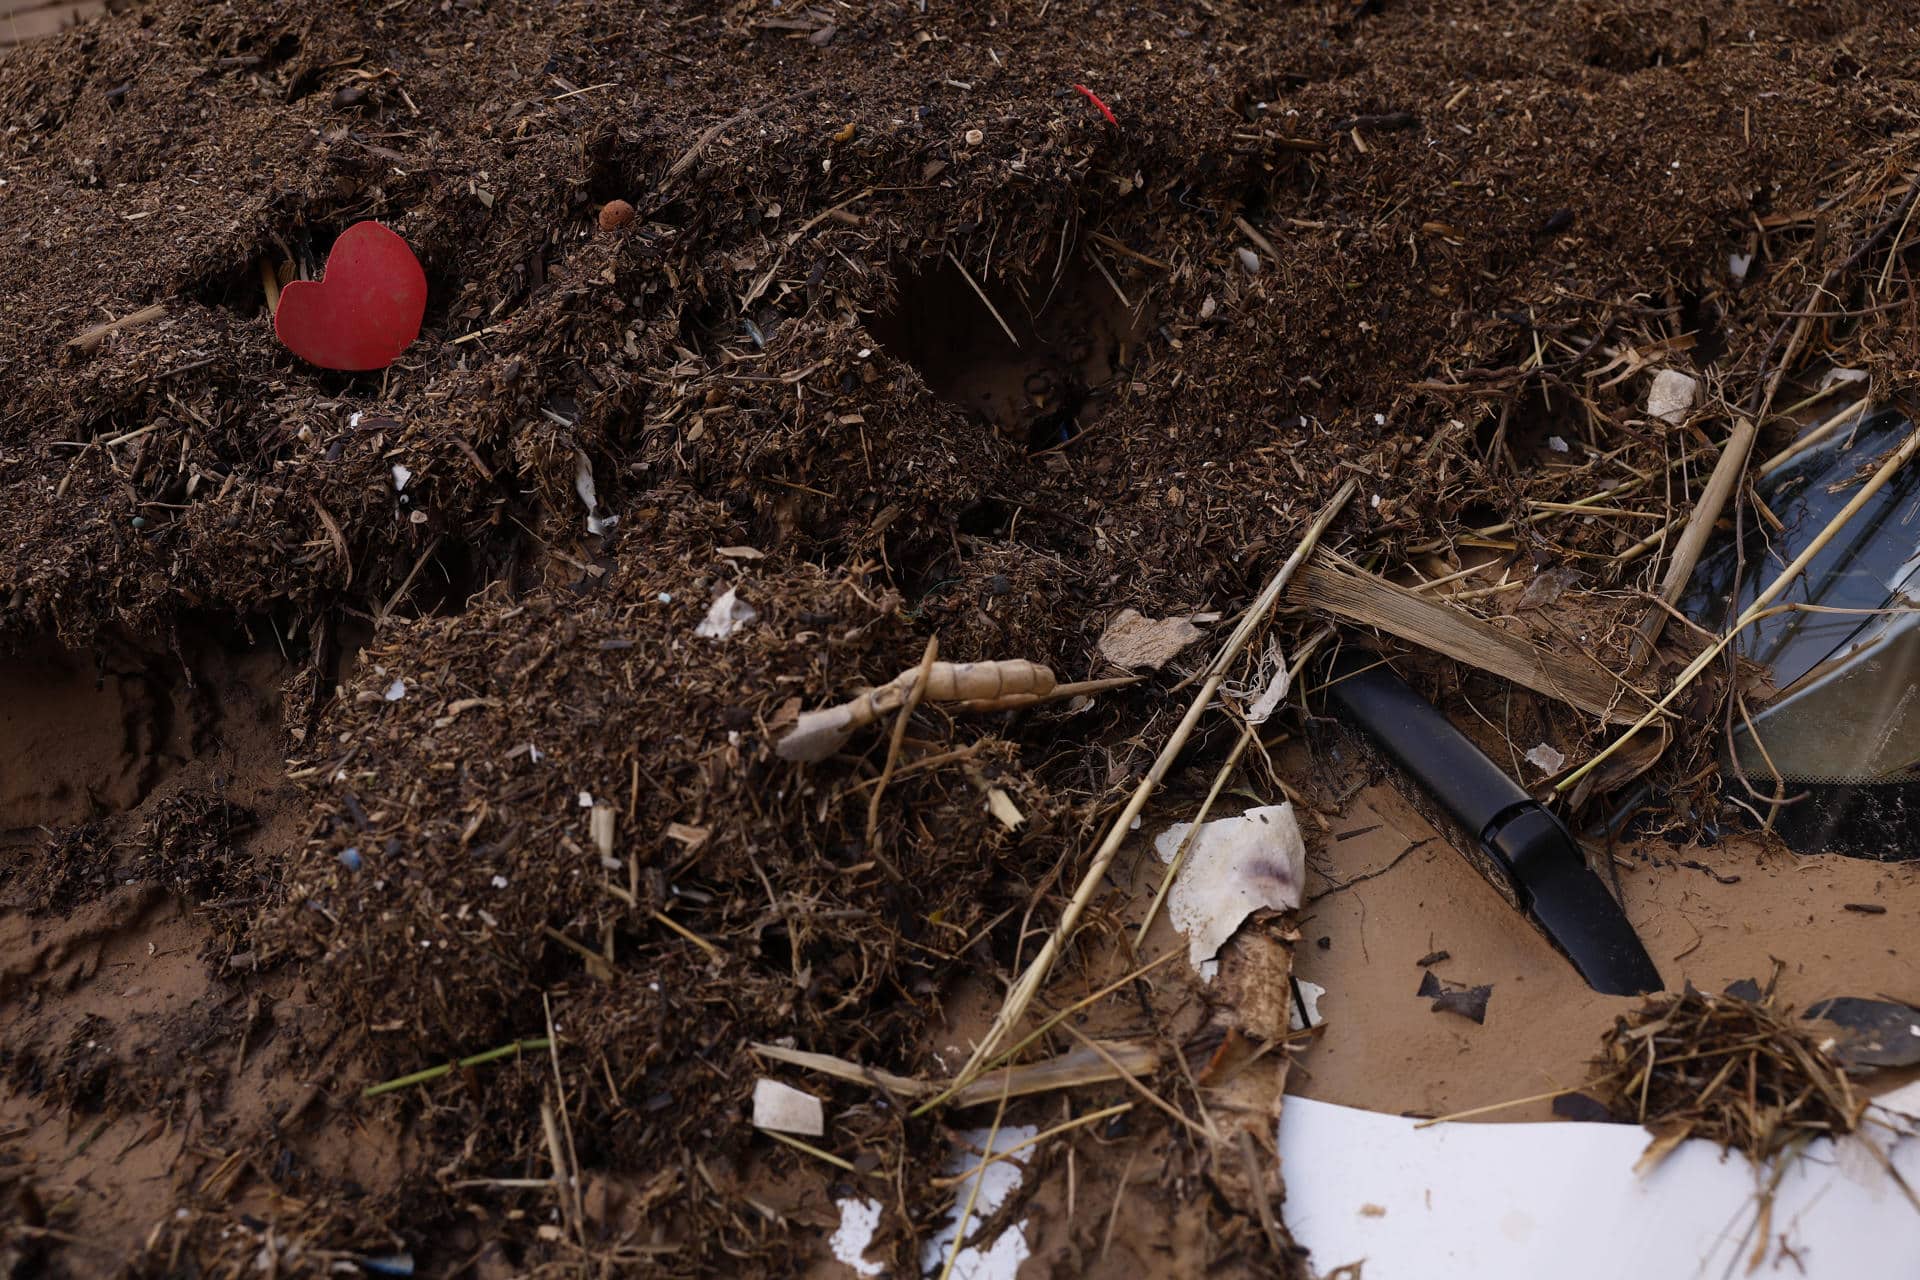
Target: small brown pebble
(615, 214)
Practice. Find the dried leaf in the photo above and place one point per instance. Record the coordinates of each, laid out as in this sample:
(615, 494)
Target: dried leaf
(1137, 643)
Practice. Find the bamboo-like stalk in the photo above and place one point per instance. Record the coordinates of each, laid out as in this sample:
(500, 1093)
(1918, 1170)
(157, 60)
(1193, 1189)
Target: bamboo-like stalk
(1818, 435)
(1693, 539)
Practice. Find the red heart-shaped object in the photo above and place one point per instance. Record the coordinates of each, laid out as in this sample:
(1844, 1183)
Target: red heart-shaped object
(363, 311)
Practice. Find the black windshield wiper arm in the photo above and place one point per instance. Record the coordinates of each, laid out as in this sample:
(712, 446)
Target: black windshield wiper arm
(1516, 836)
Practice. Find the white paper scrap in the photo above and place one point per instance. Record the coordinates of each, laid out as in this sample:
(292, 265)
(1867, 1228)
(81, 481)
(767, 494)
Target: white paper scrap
(728, 614)
(1233, 867)
(1470, 1201)
(784, 1109)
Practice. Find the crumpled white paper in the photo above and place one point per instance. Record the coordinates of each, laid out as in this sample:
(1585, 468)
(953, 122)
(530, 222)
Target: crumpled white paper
(1233, 867)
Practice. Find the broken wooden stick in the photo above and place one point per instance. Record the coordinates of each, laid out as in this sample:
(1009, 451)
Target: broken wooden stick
(90, 339)
(1347, 592)
(1693, 539)
(821, 733)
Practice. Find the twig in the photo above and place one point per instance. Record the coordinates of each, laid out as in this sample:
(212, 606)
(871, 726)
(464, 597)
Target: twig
(570, 1187)
(1133, 1082)
(1494, 1106)
(713, 953)
(446, 1068)
(692, 153)
(1693, 539)
(1247, 735)
(90, 339)
(954, 1180)
(917, 692)
(1073, 689)
(840, 1069)
(406, 583)
(834, 1160)
(1816, 436)
(550, 1126)
(1008, 1056)
(596, 963)
(270, 283)
(1260, 242)
(973, 1194)
(1030, 982)
(1753, 611)
(1125, 252)
(975, 286)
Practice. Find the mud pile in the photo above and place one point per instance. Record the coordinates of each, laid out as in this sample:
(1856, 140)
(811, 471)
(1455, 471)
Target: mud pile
(908, 338)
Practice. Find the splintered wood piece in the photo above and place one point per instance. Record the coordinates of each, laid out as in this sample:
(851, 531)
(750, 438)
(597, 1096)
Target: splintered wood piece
(1575, 680)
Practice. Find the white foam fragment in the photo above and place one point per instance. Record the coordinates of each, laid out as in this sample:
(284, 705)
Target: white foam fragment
(1001, 1259)
(785, 1109)
(728, 614)
(1546, 759)
(1233, 867)
(1672, 395)
(859, 1219)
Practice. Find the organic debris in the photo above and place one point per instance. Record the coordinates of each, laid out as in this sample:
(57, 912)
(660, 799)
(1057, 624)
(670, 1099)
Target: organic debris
(1736, 1070)
(991, 685)
(851, 331)
(1135, 643)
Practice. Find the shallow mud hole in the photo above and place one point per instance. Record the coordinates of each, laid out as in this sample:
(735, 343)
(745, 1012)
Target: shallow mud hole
(87, 734)
(1075, 337)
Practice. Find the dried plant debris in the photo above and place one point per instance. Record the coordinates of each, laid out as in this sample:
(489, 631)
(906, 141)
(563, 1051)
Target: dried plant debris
(1136, 643)
(1452, 997)
(760, 351)
(1735, 1069)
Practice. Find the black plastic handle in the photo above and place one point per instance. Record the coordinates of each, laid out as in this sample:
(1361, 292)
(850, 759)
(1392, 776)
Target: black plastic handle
(1422, 741)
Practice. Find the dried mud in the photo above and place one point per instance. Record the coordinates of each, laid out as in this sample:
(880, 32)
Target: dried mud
(313, 681)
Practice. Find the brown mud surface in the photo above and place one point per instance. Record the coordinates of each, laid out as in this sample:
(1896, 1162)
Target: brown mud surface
(335, 746)
(1711, 916)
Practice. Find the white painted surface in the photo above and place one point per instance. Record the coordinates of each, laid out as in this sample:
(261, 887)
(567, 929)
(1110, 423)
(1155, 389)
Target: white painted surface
(1498, 1201)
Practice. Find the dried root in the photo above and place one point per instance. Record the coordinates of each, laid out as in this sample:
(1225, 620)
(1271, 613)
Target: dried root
(982, 686)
